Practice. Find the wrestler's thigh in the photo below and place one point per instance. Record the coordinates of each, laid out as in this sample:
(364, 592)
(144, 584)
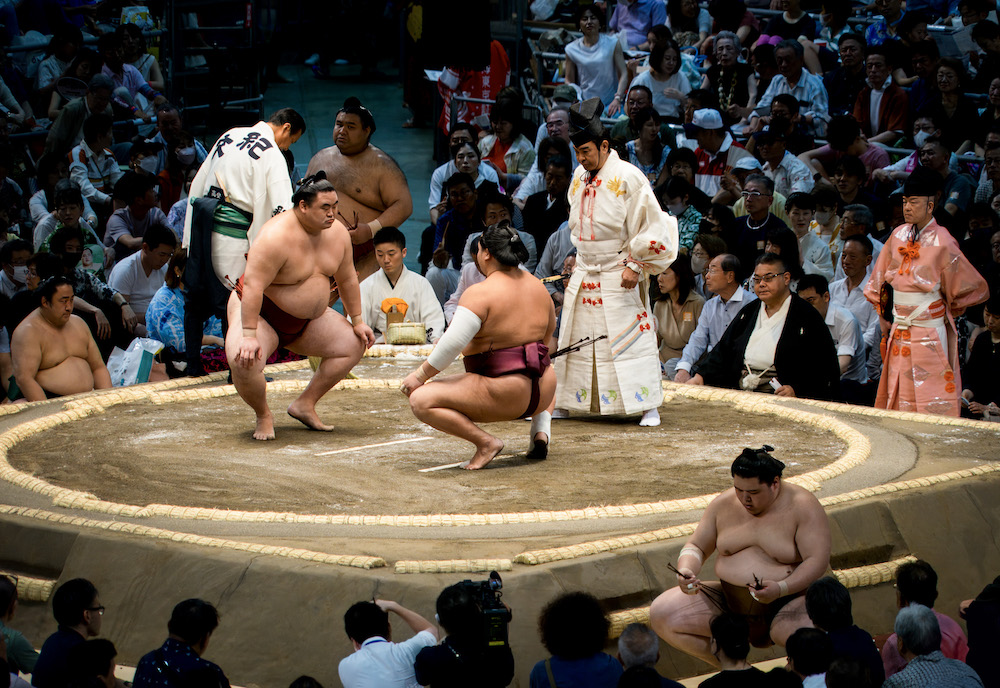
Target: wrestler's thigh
(546, 390)
(481, 399)
(266, 335)
(789, 619)
(676, 612)
(328, 336)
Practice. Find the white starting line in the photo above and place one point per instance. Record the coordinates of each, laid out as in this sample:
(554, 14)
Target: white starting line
(372, 446)
(460, 464)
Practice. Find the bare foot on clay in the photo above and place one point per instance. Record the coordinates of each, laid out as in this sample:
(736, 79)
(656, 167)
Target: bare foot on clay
(265, 428)
(308, 417)
(484, 456)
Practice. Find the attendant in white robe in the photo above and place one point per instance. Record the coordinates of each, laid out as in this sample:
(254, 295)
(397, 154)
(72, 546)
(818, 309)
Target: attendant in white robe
(622, 237)
(395, 281)
(246, 170)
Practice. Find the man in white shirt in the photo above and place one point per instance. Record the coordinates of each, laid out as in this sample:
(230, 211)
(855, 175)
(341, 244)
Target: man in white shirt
(140, 275)
(855, 261)
(790, 174)
(845, 330)
(795, 79)
(722, 278)
(92, 165)
(816, 258)
(378, 662)
(395, 281)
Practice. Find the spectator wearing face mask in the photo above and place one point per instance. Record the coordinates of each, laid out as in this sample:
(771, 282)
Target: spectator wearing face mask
(142, 157)
(172, 178)
(675, 198)
(170, 126)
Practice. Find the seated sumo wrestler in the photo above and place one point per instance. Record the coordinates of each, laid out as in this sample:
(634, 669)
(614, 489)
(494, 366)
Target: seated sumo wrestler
(773, 540)
(52, 349)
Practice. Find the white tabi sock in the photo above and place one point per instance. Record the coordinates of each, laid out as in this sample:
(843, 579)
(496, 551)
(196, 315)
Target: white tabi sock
(541, 422)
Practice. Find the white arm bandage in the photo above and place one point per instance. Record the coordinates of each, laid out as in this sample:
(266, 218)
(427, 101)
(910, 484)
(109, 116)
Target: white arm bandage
(692, 550)
(464, 326)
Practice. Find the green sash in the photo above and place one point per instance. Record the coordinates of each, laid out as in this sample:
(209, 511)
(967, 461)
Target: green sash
(230, 221)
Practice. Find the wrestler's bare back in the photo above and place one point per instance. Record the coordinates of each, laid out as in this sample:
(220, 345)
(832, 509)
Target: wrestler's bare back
(763, 545)
(308, 261)
(515, 308)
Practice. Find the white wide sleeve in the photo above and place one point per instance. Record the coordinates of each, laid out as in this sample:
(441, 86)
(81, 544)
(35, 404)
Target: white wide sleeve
(653, 240)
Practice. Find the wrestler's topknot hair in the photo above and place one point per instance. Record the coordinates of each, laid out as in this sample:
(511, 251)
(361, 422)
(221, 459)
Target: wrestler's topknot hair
(757, 463)
(311, 186)
(353, 106)
(504, 244)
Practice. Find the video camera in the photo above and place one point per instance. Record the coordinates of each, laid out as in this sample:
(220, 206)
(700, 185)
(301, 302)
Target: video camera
(496, 615)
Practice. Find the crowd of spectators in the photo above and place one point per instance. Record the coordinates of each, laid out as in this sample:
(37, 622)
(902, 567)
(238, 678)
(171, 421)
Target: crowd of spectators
(463, 648)
(95, 167)
(790, 133)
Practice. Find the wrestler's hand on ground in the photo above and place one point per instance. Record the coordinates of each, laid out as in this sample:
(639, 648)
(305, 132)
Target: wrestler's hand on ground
(103, 326)
(769, 593)
(366, 334)
(682, 376)
(629, 278)
(410, 383)
(250, 351)
(785, 391)
(129, 318)
(688, 581)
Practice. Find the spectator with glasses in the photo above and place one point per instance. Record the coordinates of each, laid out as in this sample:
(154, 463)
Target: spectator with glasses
(78, 611)
(777, 344)
(752, 229)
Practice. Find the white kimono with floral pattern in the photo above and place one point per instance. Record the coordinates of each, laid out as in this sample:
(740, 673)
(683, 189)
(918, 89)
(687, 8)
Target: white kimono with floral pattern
(614, 221)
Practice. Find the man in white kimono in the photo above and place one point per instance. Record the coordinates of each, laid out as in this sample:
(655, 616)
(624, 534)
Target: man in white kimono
(247, 172)
(242, 184)
(622, 239)
(394, 283)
